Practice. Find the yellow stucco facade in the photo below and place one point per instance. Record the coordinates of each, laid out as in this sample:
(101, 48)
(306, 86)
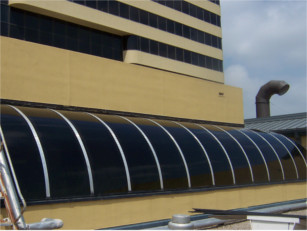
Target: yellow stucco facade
(115, 212)
(92, 18)
(38, 73)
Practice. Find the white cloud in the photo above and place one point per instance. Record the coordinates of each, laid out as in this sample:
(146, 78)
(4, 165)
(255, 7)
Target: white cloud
(263, 41)
(265, 33)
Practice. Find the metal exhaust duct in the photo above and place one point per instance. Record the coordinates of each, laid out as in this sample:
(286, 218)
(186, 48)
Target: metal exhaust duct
(265, 93)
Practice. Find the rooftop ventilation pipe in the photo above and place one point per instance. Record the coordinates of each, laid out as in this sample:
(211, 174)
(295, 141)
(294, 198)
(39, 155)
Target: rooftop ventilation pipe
(265, 93)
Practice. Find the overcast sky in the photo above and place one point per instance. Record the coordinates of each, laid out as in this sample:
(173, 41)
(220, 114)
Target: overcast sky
(265, 40)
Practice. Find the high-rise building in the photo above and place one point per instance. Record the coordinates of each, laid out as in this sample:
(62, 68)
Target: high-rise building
(115, 112)
(152, 57)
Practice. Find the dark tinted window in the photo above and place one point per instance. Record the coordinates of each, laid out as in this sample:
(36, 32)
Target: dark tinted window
(178, 29)
(154, 47)
(103, 5)
(91, 3)
(179, 54)
(186, 31)
(106, 162)
(172, 167)
(123, 10)
(144, 17)
(4, 13)
(296, 155)
(194, 155)
(161, 23)
(254, 156)
(170, 26)
(145, 45)
(114, 7)
(220, 164)
(24, 153)
(185, 7)
(286, 160)
(153, 20)
(66, 164)
(194, 58)
(142, 166)
(187, 56)
(162, 49)
(270, 157)
(17, 17)
(168, 147)
(237, 157)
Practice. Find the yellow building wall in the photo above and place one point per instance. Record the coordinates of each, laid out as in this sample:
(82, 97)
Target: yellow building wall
(38, 73)
(92, 18)
(116, 212)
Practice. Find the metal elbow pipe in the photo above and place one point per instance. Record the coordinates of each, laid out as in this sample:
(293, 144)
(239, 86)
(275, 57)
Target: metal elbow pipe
(265, 93)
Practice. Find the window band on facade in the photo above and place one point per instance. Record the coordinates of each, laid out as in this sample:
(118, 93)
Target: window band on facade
(292, 142)
(217, 2)
(246, 157)
(133, 42)
(260, 152)
(87, 162)
(184, 8)
(179, 149)
(58, 33)
(203, 149)
(134, 14)
(151, 148)
(40, 150)
(282, 169)
(221, 145)
(119, 148)
(297, 175)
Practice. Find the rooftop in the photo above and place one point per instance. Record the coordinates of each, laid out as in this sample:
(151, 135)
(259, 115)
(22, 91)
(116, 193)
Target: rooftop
(289, 122)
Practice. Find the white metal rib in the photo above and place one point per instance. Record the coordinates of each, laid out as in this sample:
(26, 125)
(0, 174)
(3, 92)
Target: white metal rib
(87, 162)
(179, 149)
(203, 149)
(292, 142)
(282, 169)
(223, 148)
(119, 148)
(297, 176)
(40, 149)
(246, 157)
(261, 154)
(151, 148)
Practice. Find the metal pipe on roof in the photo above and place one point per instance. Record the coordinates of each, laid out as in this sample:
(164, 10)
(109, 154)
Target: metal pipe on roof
(265, 93)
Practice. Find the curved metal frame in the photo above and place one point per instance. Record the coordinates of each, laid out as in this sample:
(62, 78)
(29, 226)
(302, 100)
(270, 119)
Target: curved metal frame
(179, 149)
(223, 148)
(297, 176)
(261, 154)
(119, 148)
(249, 164)
(282, 169)
(292, 142)
(87, 162)
(151, 148)
(40, 150)
(203, 149)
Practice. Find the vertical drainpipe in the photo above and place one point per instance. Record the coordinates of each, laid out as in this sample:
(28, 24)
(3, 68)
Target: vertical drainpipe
(265, 93)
